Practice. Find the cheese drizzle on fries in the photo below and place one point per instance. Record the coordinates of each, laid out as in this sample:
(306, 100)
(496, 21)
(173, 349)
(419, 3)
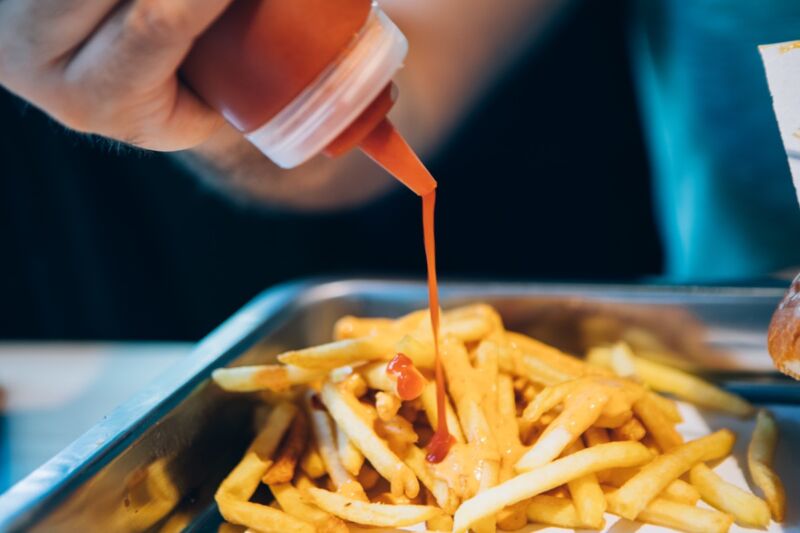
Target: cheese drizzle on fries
(539, 436)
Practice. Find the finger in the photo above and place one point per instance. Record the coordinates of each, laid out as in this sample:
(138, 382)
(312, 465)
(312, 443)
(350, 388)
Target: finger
(174, 120)
(48, 29)
(169, 26)
(146, 39)
(191, 123)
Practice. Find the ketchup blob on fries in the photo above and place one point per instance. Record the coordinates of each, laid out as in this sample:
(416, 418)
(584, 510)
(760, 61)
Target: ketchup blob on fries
(410, 383)
(387, 147)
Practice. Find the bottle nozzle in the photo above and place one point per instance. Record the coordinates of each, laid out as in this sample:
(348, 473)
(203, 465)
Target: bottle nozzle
(389, 149)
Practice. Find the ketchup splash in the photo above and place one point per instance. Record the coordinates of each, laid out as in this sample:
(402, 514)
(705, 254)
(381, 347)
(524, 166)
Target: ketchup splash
(387, 147)
(410, 383)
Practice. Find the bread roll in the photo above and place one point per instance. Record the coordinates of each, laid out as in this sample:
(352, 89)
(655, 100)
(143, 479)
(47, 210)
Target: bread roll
(783, 338)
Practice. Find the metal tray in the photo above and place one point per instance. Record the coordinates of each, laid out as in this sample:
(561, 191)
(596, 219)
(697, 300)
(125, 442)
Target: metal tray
(153, 463)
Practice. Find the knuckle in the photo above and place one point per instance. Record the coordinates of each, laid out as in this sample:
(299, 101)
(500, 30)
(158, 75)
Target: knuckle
(159, 20)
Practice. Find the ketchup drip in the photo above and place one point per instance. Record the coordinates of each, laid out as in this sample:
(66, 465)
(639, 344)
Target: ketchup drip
(410, 382)
(388, 148)
(442, 439)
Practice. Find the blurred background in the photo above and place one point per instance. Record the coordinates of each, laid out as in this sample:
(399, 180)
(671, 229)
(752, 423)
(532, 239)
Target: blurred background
(104, 242)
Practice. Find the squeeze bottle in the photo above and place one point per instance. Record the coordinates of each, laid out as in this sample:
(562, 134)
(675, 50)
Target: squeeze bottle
(304, 77)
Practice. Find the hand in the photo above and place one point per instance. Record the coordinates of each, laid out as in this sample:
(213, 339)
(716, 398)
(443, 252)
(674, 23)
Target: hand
(108, 67)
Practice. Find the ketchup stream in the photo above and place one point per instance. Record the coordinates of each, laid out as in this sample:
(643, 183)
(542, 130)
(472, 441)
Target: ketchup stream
(387, 147)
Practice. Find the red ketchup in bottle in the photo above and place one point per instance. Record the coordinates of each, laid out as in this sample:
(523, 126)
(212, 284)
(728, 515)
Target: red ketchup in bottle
(304, 77)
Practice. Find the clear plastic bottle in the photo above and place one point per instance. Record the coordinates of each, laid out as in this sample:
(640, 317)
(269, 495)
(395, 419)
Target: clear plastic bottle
(299, 77)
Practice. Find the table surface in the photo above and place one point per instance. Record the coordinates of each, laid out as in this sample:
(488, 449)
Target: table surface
(50, 393)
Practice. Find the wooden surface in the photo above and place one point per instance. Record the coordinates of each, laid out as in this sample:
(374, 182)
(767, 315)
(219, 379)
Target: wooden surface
(53, 392)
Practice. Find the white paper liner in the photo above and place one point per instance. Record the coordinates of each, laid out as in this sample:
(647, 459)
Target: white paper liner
(782, 63)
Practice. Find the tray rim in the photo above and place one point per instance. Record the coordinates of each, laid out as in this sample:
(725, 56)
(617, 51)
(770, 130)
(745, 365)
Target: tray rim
(20, 504)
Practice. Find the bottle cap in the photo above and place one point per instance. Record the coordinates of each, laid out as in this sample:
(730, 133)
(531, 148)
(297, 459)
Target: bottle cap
(337, 97)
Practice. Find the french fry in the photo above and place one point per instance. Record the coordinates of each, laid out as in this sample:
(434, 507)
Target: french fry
(459, 374)
(613, 421)
(311, 463)
(282, 469)
(350, 457)
(489, 472)
(344, 409)
(479, 309)
(294, 503)
(548, 398)
(377, 377)
(352, 382)
(508, 442)
(667, 513)
(476, 428)
(303, 483)
(538, 371)
(442, 522)
(351, 327)
(466, 329)
(559, 512)
(372, 514)
(550, 356)
(512, 517)
(590, 502)
(277, 378)
(559, 492)
(681, 384)
(583, 410)
(267, 519)
(760, 454)
(594, 436)
(421, 353)
(387, 405)
(487, 370)
(667, 406)
(444, 496)
(242, 481)
(642, 488)
(677, 491)
(630, 430)
(681, 492)
(661, 428)
(623, 362)
(747, 509)
(339, 353)
(549, 476)
(460, 380)
(411, 321)
(429, 405)
(328, 450)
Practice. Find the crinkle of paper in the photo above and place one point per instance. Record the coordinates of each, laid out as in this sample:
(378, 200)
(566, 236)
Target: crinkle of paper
(782, 63)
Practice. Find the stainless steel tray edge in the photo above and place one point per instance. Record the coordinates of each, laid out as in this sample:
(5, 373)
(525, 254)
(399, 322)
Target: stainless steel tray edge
(21, 503)
(20, 506)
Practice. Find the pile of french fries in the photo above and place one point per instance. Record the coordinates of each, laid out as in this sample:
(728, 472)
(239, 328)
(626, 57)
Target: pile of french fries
(540, 437)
